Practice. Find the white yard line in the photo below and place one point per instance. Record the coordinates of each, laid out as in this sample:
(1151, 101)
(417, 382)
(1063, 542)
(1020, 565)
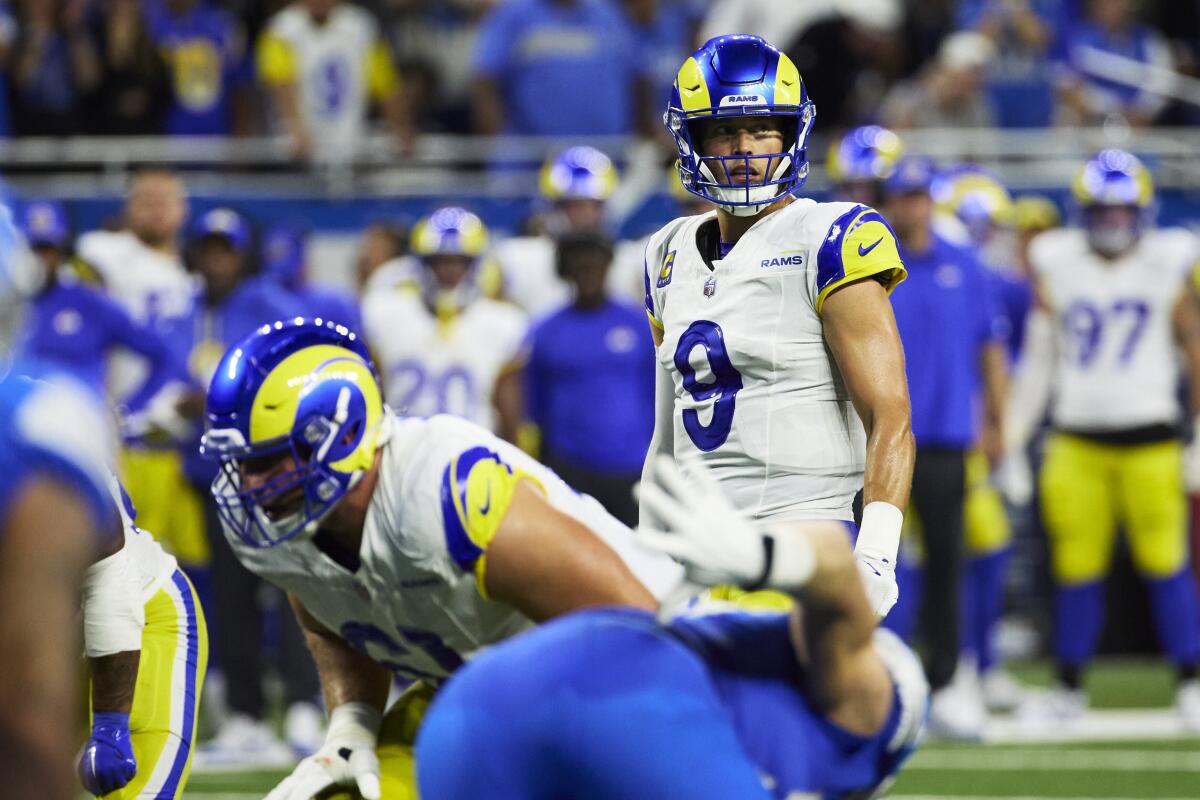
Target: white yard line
(1094, 726)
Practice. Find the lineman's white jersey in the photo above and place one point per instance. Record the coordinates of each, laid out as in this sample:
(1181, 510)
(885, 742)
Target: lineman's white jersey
(758, 395)
(1116, 365)
(151, 565)
(149, 284)
(415, 604)
(431, 366)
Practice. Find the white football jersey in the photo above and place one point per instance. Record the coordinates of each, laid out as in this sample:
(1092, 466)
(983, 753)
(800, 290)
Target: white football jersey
(415, 603)
(758, 395)
(150, 285)
(152, 565)
(331, 64)
(1116, 362)
(429, 366)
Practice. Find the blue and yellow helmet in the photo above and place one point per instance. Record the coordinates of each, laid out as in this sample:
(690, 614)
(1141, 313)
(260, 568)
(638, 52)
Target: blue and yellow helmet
(976, 196)
(739, 76)
(1114, 178)
(578, 173)
(865, 154)
(450, 231)
(297, 403)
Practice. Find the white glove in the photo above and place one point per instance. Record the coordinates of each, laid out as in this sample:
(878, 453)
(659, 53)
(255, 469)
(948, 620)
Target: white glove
(715, 542)
(160, 417)
(346, 759)
(875, 555)
(1014, 478)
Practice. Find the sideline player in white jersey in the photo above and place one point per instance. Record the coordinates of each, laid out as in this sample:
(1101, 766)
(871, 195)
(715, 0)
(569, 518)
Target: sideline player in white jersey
(147, 648)
(782, 368)
(443, 347)
(406, 544)
(577, 183)
(1114, 315)
(324, 62)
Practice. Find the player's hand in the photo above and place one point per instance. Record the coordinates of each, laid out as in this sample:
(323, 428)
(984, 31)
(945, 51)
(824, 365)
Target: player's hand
(1014, 477)
(107, 761)
(346, 759)
(715, 542)
(879, 580)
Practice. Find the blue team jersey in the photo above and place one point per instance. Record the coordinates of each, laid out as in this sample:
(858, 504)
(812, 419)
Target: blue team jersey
(609, 703)
(54, 427)
(1013, 295)
(584, 360)
(205, 52)
(74, 327)
(945, 313)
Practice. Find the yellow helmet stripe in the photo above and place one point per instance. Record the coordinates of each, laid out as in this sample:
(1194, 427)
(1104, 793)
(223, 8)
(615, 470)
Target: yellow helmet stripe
(787, 82)
(693, 90)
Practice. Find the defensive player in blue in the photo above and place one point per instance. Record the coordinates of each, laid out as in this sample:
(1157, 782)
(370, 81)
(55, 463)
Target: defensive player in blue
(730, 704)
(55, 446)
(75, 326)
(285, 261)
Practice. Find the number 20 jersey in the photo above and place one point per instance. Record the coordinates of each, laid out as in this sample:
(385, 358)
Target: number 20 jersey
(758, 395)
(1116, 365)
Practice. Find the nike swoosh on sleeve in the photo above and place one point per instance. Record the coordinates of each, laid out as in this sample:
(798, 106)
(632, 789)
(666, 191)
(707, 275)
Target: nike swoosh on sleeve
(862, 251)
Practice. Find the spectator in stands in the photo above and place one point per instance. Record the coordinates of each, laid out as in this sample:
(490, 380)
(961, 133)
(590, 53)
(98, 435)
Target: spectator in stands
(1113, 65)
(1024, 32)
(205, 49)
(76, 326)
(560, 68)
(285, 263)
(133, 95)
(8, 36)
(55, 66)
(230, 305)
(952, 348)
(948, 92)
(376, 264)
(589, 379)
(324, 63)
(665, 31)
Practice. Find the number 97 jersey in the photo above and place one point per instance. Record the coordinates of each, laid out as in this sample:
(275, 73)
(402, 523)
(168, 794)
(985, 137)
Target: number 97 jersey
(758, 395)
(1116, 365)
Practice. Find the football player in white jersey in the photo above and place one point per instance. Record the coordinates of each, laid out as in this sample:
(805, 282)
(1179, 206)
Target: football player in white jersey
(324, 61)
(444, 348)
(577, 184)
(1114, 315)
(406, 544)
(147, 648)
(781, 365)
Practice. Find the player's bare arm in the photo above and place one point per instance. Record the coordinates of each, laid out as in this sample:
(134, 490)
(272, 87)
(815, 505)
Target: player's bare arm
(861, 332)
(994, 366)
(545, 563)
(1186, 322)
(347, 676)
(39, 638)
(509, 404)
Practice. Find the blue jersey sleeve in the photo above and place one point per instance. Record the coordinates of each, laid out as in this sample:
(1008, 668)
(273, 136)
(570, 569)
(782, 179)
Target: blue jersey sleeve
(143, 340)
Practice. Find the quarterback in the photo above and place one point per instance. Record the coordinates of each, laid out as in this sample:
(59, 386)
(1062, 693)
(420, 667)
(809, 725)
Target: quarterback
(781, 366)
(1114, 315)
(406, 544)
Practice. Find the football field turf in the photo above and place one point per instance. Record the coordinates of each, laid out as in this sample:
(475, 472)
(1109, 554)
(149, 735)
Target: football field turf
(1128, 749)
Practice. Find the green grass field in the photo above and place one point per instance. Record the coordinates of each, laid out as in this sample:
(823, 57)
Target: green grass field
(1145, 765)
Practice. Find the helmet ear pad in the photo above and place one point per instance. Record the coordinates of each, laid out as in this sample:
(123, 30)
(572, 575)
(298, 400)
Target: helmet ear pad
(331, 419)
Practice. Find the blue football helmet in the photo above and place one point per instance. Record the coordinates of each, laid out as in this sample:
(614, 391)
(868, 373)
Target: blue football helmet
(454, 232)
(865, 154)
(1114, 178)
(294, 415)
(740, 76)
(578, 173)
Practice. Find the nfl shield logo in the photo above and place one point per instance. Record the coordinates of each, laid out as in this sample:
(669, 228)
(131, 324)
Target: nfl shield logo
(710, 286)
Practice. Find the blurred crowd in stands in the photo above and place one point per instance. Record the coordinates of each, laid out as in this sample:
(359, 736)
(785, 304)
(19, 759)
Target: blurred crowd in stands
(322, 71)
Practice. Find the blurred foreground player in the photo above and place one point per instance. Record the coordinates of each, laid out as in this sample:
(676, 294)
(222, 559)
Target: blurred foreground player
(56, 447)
(407, 544)
(147, 648)
(1114, 316)
(816, 702)
(780, 365)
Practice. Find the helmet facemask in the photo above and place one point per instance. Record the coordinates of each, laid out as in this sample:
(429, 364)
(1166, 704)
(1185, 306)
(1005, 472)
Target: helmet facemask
(710, 177)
